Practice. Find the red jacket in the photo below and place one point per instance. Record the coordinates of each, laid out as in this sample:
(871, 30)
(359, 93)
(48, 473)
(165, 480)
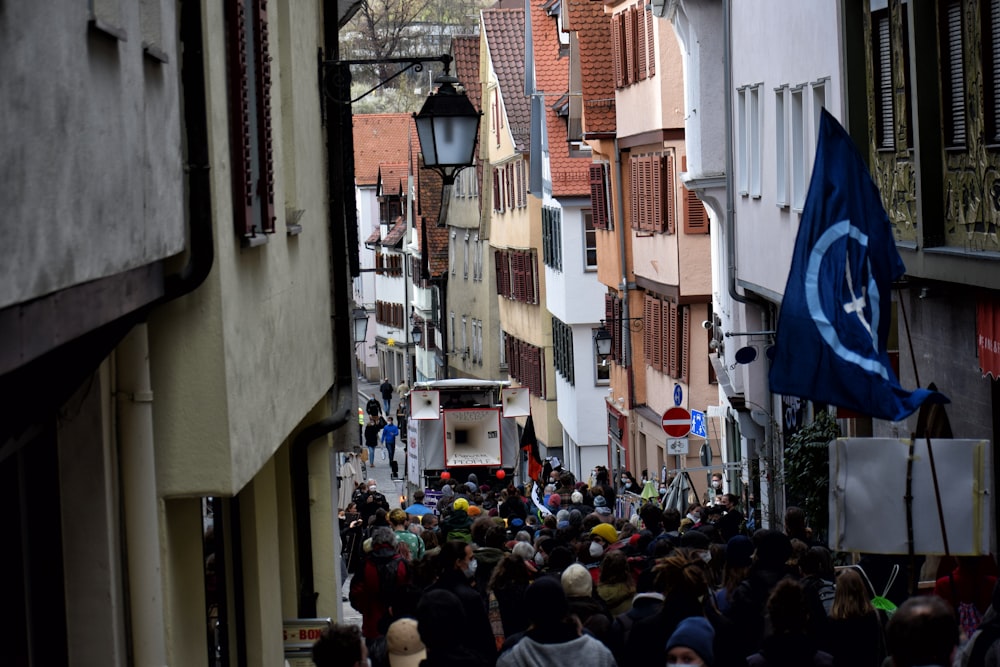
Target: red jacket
(371, 594)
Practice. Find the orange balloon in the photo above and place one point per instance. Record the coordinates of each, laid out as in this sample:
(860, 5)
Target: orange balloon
(501, 474)
(446, 475)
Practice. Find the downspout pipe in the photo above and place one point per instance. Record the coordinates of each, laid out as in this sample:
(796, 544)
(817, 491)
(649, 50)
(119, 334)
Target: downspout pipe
(300, 497)
(624, 286)
(201, 245)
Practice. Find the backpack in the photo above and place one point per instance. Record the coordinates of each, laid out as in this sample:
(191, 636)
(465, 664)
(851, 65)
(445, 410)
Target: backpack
(463, 534)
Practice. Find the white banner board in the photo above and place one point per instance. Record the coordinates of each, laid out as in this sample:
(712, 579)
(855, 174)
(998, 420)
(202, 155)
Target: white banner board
(868, 490)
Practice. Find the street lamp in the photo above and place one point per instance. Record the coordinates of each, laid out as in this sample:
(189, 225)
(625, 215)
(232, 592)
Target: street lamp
(416, 334)
(603, 340)
(447, 128)
(359, 316)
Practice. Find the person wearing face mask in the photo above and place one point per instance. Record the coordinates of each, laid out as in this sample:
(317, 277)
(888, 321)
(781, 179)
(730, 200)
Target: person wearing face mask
(713, 491)
(691, 643)
(628, 483)
(456, 572)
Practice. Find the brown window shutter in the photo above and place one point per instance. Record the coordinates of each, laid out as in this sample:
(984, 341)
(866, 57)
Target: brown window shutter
(619, 56)
(532, 261)
(264, 134)
(685, 352)
(598, 197)
(628, 17)
(647, 329)
(509, 172)
(695, 215)
(670, 185)
(658, 188)
(633, 190)
(609, 311)
(656, 353)
(617, 343)
(673, 339)
(650, 47)
(641, 53)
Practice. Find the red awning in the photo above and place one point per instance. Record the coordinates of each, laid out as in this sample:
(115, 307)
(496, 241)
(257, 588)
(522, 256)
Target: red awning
(988, 335)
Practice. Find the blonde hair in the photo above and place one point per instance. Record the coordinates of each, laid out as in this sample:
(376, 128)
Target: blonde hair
(851, 597)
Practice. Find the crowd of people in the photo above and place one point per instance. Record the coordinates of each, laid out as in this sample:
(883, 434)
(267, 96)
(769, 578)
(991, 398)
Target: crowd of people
(502, 576)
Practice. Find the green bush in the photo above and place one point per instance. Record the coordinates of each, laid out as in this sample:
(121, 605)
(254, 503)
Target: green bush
(807, 471)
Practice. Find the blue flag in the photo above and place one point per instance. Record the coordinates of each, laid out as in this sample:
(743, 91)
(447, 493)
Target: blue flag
(833, 327)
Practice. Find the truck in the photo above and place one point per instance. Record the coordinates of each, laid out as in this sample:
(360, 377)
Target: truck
(459, 426)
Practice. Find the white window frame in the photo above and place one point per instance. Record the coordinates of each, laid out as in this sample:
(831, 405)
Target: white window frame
(465, 335)
(742, 175)
(477, 259)
(818, 102)
(780, 147)
(465, 259)
(798, 149)
(588, 233)
(451, 253)
(502, 350)
(451, 343)
(754, 152)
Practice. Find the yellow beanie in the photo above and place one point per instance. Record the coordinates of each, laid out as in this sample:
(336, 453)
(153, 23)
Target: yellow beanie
(605, 531)
(461, 504)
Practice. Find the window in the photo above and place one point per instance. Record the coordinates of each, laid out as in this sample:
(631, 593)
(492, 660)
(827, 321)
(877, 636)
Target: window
(477, 258)
(502, 350)
(742, 159)
(465, 336)
(633, 45)
(249, 88)
(389, 314)
(451, 253)
(818, 102)
(552, 237)
(526, 364)
(952, 73)
(882, 70)
(602, 369)
(613, 325)
(465, 258)
(665, 336)
(451, 320)
(651, 193)
(562, 349)
(798, 146)
(753, 136)
(780, 148)
(589, 242)
(600, 202)
(990, 22)
(517, 275)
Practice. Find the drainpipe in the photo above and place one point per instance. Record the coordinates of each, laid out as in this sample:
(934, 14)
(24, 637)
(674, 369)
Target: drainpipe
(140, 500)
(624, 286)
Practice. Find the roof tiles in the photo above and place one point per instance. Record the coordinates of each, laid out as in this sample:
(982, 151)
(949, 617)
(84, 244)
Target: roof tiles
(379, 139)
(504, 30)
(593, 28)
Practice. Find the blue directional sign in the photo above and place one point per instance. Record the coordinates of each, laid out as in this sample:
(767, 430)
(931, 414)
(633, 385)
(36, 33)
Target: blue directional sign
(698, 424)
(678, 394)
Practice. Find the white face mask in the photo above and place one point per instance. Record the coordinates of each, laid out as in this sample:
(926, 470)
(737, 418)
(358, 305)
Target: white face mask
(716, 484)
(693, 518)
(596, 550)
(539, 559)
(373, 488)
(471, 572)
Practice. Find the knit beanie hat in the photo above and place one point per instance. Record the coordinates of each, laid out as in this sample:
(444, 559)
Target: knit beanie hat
(697, 634)
(461, 504)
(739, 550)
(474, 510)
(605, 531)
(576, 497)
(577, 582)
(545, 602)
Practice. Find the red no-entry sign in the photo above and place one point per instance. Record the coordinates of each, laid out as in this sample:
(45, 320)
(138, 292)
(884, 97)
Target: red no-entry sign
(677, 422)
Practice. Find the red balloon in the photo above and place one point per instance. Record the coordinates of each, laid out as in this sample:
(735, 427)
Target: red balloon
(446, 475)
(501, 474)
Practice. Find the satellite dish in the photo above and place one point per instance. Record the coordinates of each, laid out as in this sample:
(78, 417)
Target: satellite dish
(516, 401)
(425, 405)
(745, 355)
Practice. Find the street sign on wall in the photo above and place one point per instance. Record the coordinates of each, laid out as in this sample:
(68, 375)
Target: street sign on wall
(698, 424)
(677, 446)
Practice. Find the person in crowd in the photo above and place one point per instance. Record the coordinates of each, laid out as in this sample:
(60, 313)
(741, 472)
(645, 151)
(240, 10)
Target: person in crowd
(401, 413)
(399, 521)
(403, 644)
(817, 575)
(513, 507)
(417, 507)
(340, 646)
(403, 605)
(615, 585)
(386, 390)
(647, 602)
(382, 575)
(489, 547)
(579, 588)
(602, 510)
(739, 556)
(749, 600)
(603, 485)
(714, 490)
(854, 630)
(505, 597)
(371, 440)
(601, 538)
(351, 536)
(968, 588)
(458, 524)
(389, 434)
(789, 643)
(983, 647)
(628, 483)
(446, 631)
(691, 643)
(373, 409)
(553, 636)
(923, 631)
(371, 502)
(796, 528)
(456, 571)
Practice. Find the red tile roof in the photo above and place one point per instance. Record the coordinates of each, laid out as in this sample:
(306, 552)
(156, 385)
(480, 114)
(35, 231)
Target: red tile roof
(395, 234)
(392, 177)
(504, 30)
(373, 238)
(465, 50)
(429, 186)
(570, 175)
(379, 139)
(593, 28)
